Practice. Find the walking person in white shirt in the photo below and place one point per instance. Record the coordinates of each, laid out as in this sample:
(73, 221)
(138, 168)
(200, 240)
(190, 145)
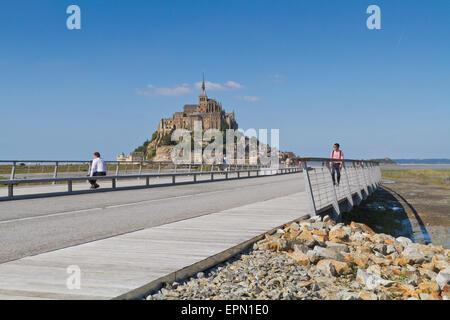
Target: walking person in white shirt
(98, 168)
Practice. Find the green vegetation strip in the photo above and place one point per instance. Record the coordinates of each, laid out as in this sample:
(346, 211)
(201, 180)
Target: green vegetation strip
(436, 177)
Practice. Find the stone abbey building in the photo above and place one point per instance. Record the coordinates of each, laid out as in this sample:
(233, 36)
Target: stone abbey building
(208, 111)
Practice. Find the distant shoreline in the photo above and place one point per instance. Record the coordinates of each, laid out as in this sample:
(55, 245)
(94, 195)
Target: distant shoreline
(414, 166)
(422, 161)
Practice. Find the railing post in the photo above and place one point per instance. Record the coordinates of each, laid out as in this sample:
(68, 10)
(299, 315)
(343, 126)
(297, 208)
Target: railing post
(140, 169)
(369, 174)
(195, 177)
(372, 176)
(360, 197)
(55, 173)
(378, 173)
(349, 190)
(147, 180)
(10, 190)
(173, 179)
(308, 189)
(13, 171)
(364, 180)
(367, 177)
(69, 186)
(89, 167)
(113, 183)
(336, 201)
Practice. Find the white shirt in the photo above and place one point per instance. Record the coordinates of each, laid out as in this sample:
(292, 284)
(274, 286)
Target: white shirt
(98, 165)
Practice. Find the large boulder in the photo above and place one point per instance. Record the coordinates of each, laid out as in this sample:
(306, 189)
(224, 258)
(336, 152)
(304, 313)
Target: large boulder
(326, 253)
(413, 255)
(443, 278)
(298, 256)
(306, 237)
(359, 258)
(337, 247)
(361, 227)
(428, 287)
(338, 234)
(340, 268)
(370, 280)
(404, 241)
(326, 267)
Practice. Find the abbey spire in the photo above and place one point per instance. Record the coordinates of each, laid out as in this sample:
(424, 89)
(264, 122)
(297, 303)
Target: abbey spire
(203, 92)
(202, 98)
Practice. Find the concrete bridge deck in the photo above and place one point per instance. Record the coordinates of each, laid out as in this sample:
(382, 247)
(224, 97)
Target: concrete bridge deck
(36, 190)
(151, 233)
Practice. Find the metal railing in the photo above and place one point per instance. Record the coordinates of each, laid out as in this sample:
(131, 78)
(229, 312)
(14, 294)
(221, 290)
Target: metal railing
(41, 169)
(163, 170)
(359, 179)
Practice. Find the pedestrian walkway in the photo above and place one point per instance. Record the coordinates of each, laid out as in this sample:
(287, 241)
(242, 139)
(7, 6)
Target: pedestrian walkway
(119, 265)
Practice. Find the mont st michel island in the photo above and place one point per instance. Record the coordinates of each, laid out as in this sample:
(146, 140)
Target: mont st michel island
(209, 114)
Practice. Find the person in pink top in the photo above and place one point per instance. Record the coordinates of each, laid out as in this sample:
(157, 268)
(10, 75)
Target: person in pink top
(336, 166)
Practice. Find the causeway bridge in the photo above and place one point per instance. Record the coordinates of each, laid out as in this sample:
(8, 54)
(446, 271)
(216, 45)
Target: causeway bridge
(150, 223)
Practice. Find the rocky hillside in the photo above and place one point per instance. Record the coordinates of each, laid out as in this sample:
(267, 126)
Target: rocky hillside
(319, 259)
(159, 149)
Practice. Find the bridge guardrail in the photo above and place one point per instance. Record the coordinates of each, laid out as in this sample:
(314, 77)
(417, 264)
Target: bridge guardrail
(28, 169)
(114, 178)
(359, 179)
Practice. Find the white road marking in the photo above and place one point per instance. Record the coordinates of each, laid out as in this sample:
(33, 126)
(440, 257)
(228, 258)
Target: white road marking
(50, 215)
(122, 205)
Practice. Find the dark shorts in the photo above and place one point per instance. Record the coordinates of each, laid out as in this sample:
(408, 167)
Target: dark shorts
(97, 174)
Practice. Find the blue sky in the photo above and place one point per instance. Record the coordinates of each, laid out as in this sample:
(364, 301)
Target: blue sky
(310, 68)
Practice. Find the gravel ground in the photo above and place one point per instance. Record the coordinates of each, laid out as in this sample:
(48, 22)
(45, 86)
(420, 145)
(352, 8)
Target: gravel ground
(322, 260)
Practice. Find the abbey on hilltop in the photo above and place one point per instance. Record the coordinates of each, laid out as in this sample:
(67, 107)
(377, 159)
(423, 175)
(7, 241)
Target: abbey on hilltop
(208, 111)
